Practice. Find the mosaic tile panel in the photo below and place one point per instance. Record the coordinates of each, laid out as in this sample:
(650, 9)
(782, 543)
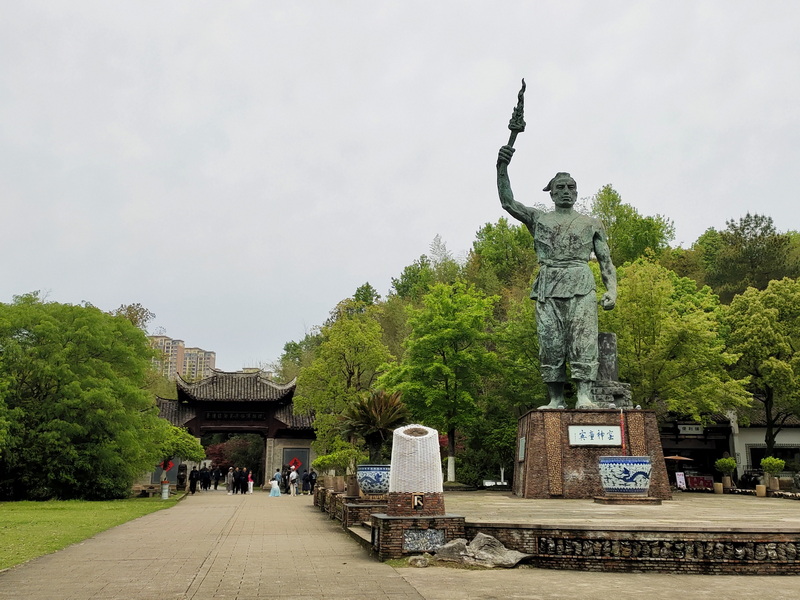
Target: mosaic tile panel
(636, 435)
(422, 540)
(552, 441)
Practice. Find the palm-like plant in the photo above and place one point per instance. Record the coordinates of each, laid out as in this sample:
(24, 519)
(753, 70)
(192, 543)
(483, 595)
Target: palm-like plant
(373, 418)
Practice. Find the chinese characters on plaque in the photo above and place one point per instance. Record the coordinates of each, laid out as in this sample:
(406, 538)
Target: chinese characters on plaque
(595, 435)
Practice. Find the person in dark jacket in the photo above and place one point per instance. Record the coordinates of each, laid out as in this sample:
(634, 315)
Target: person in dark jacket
(193, 477)
(216, 475)
(205, 479)
(240, 481)
(312, 479)
(285, 480)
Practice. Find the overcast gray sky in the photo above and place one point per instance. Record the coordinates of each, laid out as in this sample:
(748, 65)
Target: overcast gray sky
(240, 167)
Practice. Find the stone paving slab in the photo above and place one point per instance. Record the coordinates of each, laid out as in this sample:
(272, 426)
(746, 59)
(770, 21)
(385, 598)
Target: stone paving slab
(212, 545)
(686, 510)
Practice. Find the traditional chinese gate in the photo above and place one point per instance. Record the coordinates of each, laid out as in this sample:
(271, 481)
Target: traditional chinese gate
(244, 403)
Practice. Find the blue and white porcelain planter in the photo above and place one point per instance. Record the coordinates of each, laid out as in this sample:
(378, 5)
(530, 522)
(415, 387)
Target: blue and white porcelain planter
(628, 475)
(373, 479)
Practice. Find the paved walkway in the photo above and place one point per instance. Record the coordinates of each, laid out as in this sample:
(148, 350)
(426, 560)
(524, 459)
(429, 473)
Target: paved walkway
(213, 545)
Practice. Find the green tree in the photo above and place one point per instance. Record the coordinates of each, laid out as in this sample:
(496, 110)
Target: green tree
(246, 451)
(415, 280)
(671, 345)
(373, 418)
(296, 356)
(366, 295)
(176, 442)
(446, 268)
(502, 260)
(393, 318)
(793, 254)
(136, 314)
(517, 342)
(765, 332)
(346, 366)
(80, 423)
(491, 443)
(696, 262)
(342, 458)
(685, 262)
(750, 253)
(630, 234)
(446, 355)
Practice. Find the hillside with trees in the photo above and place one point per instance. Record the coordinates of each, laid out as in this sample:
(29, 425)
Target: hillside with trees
(701, 330)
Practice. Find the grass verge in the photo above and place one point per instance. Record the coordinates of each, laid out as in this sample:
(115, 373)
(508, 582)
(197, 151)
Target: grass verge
(31, 529)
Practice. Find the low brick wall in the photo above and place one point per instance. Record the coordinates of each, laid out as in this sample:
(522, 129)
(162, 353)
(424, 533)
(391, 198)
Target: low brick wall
(721, 552)
(708, 552)
(319, 497)
(360, 512)
(336, 506)
(394, 537)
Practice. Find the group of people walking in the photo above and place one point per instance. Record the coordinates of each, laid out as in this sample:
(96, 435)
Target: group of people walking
(237, 480)
(289, 480)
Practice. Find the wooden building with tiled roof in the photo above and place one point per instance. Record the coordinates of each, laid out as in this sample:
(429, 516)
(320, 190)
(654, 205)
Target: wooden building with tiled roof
(244, 402)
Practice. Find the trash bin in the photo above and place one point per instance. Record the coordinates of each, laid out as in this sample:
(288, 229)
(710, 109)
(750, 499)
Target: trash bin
(165, 490)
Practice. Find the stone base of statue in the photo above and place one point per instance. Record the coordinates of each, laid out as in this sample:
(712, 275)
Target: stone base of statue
(611, 394)
(558, 451)
(608, 391)
(620, 500)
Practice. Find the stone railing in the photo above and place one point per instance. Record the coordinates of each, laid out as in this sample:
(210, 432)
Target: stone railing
(733, 551)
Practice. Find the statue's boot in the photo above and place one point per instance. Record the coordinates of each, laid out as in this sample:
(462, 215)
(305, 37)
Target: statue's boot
(584, 395)
(555, 389)
(553, 405)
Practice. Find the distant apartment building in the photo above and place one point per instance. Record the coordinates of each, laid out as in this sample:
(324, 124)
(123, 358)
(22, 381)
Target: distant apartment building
(176, 359)
(197, 363)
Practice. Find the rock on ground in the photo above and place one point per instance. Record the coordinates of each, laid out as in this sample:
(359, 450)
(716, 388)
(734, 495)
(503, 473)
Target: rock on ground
(484, 551)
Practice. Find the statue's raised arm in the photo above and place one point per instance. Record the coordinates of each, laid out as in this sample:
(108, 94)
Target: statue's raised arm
(515, 209)
(516, 125)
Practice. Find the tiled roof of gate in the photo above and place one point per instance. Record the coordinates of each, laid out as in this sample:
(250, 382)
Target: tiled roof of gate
(175, 412)
(239, 386)
(285, 415)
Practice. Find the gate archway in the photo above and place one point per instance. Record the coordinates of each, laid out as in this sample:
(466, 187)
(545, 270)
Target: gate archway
(243, 402)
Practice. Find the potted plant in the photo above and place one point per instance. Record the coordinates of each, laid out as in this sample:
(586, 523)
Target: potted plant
(772, 466)
(373, 418)
(726, 466)
(340, 461)
(625, 475)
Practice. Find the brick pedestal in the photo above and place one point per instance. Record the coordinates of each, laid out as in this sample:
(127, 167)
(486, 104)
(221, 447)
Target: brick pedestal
(395, 537)
(550, 467)
(408, 504)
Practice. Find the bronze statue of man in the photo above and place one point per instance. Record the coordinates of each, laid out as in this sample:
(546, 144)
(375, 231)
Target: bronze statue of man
(564, 290)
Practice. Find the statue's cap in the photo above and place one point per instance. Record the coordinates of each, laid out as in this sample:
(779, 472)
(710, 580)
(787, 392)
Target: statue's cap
(559, 175)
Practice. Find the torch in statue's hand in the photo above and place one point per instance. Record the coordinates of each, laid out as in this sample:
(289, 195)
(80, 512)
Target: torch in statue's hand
(517, 122)
(516, 125)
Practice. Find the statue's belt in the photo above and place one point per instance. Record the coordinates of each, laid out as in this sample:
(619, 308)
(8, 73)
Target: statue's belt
(544, 268)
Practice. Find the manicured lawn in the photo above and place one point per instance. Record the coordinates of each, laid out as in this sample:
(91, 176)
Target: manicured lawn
(31, 529)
